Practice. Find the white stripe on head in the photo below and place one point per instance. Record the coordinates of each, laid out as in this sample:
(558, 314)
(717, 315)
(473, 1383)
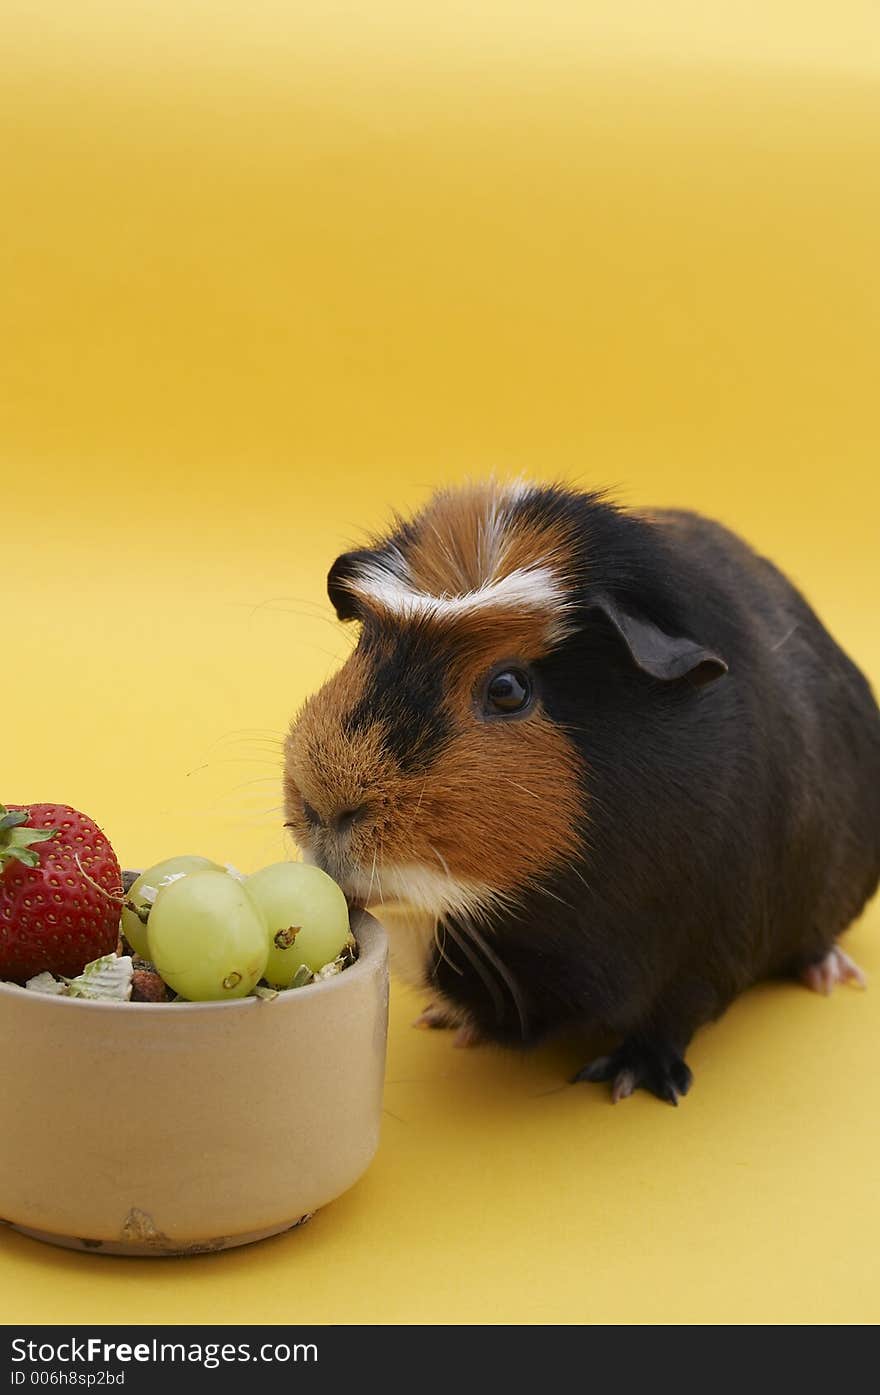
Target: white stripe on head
(527, 588)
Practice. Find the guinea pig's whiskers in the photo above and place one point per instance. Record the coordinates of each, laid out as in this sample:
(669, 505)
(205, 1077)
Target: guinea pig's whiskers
(236, 760)
(582, 878)
(253, 749)
(377, 864)
(504, 973)
(478, 968)
(301, 607)
(268, 607)
(246, 784)
(441, 947)
(372, 876)
(552, 894)
(248, 733)
(470, 931)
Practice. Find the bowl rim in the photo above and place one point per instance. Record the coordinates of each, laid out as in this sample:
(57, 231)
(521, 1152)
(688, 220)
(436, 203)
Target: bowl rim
(371, 941)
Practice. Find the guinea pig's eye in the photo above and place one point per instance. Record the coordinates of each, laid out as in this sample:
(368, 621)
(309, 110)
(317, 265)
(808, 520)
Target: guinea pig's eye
(507, 692)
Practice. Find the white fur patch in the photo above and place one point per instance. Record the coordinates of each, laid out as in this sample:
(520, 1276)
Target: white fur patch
(421, 887)
(410, 900)
(412, 936)
(527, 588)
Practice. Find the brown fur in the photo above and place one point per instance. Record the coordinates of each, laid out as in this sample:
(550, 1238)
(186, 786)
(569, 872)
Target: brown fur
(526, 776)
(464, 541)
(475, 640)
(331, 771)
(523, 819)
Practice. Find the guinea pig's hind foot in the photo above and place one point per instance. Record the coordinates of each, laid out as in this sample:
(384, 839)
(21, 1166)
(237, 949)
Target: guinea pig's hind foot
(640, 1064)
(833, 968)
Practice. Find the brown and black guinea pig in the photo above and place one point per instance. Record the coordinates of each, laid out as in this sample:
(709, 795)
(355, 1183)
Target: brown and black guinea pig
(615, 757)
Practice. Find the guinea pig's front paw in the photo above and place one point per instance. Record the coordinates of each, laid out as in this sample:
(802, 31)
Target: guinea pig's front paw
(640, 1064)
(436, 1016)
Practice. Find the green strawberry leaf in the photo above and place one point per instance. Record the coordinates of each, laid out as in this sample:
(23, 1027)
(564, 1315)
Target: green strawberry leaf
(24, 855)
(16, 840)
(24, 837)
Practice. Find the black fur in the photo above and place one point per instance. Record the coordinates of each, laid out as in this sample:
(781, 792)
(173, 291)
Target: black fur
(733, 825)
(344, 603)
(406, 685)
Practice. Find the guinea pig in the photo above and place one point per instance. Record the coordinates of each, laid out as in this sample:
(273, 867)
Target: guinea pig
(615, 756)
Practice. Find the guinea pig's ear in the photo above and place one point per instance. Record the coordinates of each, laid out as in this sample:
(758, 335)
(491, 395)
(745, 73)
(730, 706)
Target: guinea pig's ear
(343, 569)
(661, 655)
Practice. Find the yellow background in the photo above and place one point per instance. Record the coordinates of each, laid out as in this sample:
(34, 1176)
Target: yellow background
(270, 271)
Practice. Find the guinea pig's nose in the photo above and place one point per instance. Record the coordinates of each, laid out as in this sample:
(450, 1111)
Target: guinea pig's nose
(340, 821)
(346, 818)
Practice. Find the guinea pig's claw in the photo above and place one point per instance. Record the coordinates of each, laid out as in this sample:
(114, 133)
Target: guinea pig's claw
(836, 967)
(603, 1068)
(622, 1086)
(434, 1017)
(467, 1036)
(634, 1065)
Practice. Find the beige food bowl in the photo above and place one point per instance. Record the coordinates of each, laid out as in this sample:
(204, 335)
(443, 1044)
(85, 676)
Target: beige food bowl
(179, 1128)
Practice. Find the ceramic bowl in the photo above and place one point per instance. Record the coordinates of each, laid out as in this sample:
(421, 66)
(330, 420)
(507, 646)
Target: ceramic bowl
(178, 1128)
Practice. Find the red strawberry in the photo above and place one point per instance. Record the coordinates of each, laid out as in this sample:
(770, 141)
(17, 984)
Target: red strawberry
(51, 917)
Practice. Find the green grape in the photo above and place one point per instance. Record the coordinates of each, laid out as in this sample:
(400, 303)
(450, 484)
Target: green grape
(207, 938)
(306, 915)
(144, 890)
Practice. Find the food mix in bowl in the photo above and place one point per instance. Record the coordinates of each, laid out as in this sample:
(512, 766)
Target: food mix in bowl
(187, 929)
